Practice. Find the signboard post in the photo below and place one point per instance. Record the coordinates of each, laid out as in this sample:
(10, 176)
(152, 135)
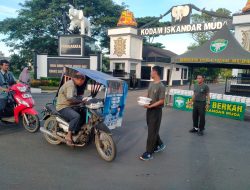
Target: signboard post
(220, 108)
(71, 46)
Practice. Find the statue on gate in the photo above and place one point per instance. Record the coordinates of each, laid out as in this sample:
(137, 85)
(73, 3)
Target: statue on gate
(78, 19)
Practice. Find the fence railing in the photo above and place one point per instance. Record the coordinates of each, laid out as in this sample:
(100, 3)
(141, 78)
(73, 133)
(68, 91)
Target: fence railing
(238, 86)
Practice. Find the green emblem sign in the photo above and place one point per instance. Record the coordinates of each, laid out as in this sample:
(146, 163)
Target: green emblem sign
(179, 102)
(218, 45)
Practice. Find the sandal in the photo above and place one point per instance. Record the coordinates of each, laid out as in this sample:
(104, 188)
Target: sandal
(69, 142)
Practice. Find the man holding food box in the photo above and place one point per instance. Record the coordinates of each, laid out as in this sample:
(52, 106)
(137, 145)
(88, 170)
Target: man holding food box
(156, 97)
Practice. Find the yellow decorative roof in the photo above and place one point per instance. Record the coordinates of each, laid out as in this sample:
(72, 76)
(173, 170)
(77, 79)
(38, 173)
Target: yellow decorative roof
(127, 19)
(247, 7)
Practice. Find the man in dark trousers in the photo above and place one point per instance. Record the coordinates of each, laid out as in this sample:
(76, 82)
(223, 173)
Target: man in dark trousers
(6, 79)
(68, 98)
(156, 92)
(201, 102)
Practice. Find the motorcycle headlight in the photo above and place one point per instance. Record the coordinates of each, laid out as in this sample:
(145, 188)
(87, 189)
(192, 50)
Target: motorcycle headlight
(22, 102)
(22, 89)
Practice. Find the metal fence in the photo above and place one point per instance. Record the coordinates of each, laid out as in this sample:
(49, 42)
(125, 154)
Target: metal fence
(238, 86)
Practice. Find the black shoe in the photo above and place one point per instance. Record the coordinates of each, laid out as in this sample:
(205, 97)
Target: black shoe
(146, 156)
(160, 148)
(194, 130)
(200, 133)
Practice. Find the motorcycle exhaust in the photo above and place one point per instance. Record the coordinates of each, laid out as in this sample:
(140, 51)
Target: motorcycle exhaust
(64, 125)
(43, 130)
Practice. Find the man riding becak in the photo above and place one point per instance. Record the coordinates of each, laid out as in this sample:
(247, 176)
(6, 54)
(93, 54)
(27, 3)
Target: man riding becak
(68, 97)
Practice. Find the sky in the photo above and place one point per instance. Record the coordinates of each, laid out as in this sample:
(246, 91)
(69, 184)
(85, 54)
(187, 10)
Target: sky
(177, 43)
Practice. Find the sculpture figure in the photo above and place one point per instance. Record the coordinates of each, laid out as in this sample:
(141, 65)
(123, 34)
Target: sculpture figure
(77, 19)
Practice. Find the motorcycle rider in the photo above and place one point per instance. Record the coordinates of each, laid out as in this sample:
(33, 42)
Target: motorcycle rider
(67, 98)
(6, 79)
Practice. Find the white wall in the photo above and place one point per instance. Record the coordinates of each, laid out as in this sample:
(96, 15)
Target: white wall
(136, 48)
(238, 32)
(138, 70)
(133, 49)
(93, 62)
(242, 23)
(122, 31)
(42, 66)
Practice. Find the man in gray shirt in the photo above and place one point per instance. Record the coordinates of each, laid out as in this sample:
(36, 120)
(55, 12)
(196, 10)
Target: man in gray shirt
(201, 102)
(156, 92)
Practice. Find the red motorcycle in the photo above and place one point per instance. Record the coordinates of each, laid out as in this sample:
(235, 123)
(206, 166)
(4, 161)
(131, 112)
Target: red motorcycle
(21, 106)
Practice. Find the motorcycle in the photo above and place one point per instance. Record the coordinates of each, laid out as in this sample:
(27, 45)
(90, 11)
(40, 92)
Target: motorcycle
(56, 128)
(96, 126)
(21, 104)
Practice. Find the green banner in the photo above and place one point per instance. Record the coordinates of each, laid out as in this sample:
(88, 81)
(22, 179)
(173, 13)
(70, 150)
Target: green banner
(220, 108)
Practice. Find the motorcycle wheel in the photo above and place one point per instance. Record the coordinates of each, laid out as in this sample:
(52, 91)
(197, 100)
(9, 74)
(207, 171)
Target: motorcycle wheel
(105, 146)
(34, 123)
(50, 124)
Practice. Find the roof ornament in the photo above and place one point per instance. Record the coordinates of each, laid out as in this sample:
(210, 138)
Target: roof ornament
(127, 19)
(247, 7)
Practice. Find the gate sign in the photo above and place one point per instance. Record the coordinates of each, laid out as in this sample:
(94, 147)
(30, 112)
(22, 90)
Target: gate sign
(186, 28)
(219, 108)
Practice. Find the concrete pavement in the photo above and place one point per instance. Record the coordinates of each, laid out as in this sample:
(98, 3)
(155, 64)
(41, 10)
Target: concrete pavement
(218, 160)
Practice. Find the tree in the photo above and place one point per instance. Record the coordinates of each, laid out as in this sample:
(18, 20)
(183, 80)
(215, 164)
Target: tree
(40, 22)
(201, 37)
(225, 73)
(148, 40)
(17, 63)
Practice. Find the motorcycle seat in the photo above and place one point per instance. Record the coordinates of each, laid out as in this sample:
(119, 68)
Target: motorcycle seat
(52, 109)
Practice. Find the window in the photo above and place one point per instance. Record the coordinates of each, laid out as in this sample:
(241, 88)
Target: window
(145, 72)
(184, 72)
(119, 66)
(162, 70)
(177, 69)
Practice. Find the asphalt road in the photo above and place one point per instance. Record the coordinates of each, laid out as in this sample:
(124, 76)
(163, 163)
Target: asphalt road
(218, 160)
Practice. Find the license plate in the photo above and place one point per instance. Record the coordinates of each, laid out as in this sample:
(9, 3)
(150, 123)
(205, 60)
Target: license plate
(27, 96)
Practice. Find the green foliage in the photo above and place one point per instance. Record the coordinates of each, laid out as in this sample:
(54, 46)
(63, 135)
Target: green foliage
(209, 73)
(148, 40)
(155, 44)
(17, 63)
(105, 64)
(201, 37)
(50, 82)
(225, 73)
(40, 22)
